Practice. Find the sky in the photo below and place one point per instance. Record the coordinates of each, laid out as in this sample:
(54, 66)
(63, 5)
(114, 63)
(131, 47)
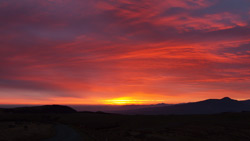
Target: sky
(123, 51)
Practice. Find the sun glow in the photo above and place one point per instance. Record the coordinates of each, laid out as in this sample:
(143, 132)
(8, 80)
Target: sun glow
(129, 101)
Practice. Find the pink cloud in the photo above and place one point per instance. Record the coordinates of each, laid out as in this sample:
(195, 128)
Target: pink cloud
(87, 50)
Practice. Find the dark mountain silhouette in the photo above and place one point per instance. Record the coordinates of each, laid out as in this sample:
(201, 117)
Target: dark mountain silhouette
(111, 108)
(40, 109)
(210, 106)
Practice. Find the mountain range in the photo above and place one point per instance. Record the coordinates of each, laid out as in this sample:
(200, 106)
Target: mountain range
(210, 106)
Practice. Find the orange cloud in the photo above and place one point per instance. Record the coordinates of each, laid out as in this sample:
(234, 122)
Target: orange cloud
(85, 51)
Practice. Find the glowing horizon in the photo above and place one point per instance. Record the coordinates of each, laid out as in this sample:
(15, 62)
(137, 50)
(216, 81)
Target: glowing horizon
(121, 52)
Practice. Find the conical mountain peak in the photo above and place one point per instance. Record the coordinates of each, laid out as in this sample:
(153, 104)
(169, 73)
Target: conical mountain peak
(227, 99)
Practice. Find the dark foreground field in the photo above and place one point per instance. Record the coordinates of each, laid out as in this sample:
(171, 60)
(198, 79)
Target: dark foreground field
(112, 127)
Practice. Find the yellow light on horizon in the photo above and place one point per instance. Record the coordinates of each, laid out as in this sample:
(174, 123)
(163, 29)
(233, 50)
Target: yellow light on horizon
(129, 101)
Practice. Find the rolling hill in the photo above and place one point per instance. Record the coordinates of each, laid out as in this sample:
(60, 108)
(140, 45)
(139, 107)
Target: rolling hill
(40, 109)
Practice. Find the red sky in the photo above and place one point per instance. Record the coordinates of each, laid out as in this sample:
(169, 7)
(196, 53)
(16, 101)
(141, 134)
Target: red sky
(141, 51)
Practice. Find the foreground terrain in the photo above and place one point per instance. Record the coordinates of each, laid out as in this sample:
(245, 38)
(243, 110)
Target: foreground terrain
(113, 127)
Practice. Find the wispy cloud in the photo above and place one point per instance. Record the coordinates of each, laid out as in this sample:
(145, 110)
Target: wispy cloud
(97, 49)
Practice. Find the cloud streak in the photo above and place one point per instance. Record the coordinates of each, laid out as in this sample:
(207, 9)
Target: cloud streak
(89, 50)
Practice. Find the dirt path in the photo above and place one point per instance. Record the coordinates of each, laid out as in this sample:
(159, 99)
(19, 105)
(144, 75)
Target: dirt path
(65, 133)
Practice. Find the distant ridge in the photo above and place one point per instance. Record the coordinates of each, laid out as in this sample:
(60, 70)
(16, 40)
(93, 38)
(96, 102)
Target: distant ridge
(111, 108)
(209, 106)
(40, 109)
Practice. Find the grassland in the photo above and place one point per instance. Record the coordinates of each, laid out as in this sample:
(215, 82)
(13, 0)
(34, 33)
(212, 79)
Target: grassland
(25, 131)
(114, 127)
